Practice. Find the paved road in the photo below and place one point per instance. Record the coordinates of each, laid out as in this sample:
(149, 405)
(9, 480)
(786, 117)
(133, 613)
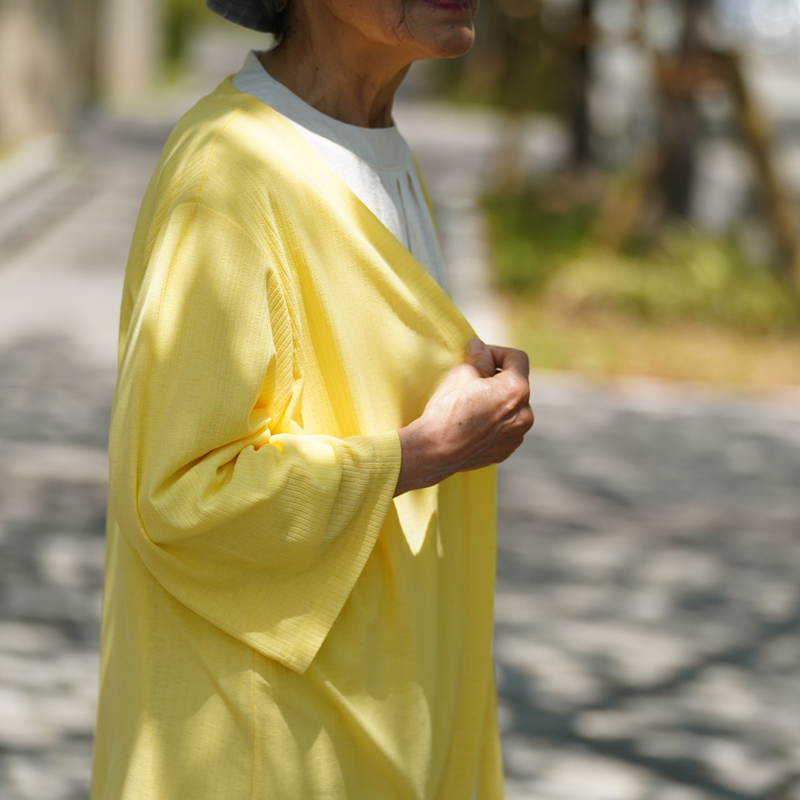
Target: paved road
(648, 603)
(59, 297)
(648, 624)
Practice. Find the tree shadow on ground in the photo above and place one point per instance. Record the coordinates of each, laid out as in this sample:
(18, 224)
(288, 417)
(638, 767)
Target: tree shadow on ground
(648, 605)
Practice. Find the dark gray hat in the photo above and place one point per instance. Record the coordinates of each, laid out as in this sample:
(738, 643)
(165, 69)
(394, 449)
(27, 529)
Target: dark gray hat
(258, 15)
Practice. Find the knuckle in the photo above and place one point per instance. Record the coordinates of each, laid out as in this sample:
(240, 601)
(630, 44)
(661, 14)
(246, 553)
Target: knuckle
(517, 390)
(522, 422)
(522, 386)
(463, 369)
(527, 426)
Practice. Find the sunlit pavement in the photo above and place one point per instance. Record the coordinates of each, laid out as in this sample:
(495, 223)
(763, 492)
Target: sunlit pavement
(59, 300)
(648, 641)
(648, 635)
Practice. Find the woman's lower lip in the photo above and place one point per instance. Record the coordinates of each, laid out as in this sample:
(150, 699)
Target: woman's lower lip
(450, 5)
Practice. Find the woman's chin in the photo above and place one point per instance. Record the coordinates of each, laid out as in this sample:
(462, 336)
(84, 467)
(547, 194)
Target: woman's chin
(448, 42)
(454, 46)
(441, 28)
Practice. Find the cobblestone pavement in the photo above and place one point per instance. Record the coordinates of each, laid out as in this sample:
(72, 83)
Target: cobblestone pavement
(59, 298)
(648, 604)
(648, 625)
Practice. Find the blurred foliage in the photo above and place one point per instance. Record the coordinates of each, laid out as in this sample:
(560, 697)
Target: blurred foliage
(533, 238)
(601, 269)
(689, 277)
(550, 254)
(516, 62)
(181, 19)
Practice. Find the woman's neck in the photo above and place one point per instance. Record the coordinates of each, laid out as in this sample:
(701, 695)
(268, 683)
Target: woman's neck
(338, 72)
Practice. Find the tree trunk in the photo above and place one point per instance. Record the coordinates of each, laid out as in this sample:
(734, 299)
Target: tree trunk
(580, 118)
(680, 124)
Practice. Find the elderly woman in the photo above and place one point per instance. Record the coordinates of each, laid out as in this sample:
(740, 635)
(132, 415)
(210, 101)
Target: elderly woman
(301, 516)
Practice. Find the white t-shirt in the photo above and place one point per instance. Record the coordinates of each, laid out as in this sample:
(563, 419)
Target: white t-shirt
(375, 163)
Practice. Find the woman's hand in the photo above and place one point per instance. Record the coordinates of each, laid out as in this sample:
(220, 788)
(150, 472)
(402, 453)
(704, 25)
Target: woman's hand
(478, 416)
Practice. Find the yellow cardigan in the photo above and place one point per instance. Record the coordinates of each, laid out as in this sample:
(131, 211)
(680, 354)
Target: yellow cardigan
(275, 625)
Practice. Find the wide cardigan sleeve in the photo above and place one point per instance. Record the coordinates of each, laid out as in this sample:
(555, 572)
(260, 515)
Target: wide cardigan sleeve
(260, 531)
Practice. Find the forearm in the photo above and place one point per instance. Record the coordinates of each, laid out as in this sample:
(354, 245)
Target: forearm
(421, 463)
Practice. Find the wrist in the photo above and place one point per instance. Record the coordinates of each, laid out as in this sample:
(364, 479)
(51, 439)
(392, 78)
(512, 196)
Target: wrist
(420, 465)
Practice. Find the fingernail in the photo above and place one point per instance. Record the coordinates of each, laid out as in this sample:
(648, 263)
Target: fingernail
(474, 346)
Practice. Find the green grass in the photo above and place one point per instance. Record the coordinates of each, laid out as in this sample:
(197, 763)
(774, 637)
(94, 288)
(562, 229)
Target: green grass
(605, 348)
(689, 278)
(688, 306)
(532, 243)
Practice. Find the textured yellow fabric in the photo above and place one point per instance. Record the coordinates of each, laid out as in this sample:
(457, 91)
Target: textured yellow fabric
(275, 625)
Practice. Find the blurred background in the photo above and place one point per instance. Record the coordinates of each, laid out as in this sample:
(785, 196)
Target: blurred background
(616, 185)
